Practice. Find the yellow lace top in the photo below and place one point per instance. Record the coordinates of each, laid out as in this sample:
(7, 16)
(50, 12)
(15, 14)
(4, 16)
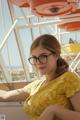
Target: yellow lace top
(57, 91)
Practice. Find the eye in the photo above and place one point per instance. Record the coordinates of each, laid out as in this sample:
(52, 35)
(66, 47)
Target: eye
(42, 56)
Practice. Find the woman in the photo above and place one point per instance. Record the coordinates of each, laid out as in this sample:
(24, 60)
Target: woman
(57, 97)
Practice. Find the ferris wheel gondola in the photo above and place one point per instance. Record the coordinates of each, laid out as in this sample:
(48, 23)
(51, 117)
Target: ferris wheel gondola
(51, 7)
(71, 22)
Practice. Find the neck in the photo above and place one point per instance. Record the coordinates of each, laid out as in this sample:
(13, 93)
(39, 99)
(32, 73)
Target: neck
(50, 76)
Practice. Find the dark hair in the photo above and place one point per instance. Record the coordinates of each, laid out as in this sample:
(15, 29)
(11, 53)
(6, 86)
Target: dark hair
(50, 43)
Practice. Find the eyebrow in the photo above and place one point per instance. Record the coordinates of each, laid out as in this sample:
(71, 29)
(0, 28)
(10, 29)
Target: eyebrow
(40, 54)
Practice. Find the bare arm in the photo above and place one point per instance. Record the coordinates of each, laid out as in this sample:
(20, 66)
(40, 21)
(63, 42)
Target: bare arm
(66, 114)
(13, 95)
(61, 112)
(18, 94)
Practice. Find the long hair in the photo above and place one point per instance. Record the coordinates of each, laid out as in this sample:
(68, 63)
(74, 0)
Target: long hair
(50, 43)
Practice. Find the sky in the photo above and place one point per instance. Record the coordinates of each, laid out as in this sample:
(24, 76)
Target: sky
(10, 50)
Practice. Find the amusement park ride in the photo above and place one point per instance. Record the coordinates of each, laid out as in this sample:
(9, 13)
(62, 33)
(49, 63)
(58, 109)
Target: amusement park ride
(65, 15)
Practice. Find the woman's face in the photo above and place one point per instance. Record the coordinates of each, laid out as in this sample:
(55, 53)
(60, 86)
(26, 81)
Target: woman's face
(44, 60)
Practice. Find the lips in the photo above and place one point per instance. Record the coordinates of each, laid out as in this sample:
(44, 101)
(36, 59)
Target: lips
(42, 68)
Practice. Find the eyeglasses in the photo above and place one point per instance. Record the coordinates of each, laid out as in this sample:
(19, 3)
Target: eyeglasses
(42, 59)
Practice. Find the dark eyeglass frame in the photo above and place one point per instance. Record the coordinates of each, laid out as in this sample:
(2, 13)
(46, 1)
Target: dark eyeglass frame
(38, 58)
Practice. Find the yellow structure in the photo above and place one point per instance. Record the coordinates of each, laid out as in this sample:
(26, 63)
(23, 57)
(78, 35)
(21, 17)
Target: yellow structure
(71, 48)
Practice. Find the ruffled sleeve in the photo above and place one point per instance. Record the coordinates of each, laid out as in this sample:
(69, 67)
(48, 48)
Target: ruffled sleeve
(72, 84)
(30, 88)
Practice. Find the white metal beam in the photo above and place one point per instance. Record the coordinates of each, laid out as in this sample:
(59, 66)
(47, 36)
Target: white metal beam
(7, 75)
(19, 43)
(7, 35)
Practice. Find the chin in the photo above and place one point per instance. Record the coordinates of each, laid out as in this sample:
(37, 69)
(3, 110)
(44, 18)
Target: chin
(42, 72)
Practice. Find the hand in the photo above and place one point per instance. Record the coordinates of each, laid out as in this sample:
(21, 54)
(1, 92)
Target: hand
(48, 114)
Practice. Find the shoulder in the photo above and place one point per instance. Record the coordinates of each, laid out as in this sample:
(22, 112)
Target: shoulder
(71, 83)
(71, 75)
(32, 85)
